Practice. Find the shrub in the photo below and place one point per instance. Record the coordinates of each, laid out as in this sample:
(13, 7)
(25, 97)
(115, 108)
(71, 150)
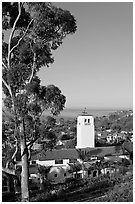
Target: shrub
(122, 191)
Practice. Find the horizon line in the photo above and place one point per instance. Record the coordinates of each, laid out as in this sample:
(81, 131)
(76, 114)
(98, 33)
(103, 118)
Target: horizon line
(100, 108)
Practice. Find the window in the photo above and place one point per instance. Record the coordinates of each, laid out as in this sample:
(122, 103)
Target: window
(33, 162)
(65, 174)
(89, 172)
(59, 161)
(87, 121)
(55, 175)
(78, 175)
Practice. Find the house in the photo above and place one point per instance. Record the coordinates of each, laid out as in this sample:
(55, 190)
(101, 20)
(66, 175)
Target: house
(10, 185)
(58, 174)
(60, 161)
(54, 157)
(111, 138)
(108, 130)
(121, 136)
(103, 137)
(64, 156)
(98, 134)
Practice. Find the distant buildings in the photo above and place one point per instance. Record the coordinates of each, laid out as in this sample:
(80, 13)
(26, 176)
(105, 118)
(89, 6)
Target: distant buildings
(61, 160)
(110, 137)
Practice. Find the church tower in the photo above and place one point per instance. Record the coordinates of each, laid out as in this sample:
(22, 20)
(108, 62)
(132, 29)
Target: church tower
(85, 131)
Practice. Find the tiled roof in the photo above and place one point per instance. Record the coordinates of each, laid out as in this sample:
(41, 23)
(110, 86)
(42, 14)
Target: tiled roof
(56, 154)
(74, 153)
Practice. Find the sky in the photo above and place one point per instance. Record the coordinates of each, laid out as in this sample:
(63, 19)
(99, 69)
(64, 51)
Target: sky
(94, 67)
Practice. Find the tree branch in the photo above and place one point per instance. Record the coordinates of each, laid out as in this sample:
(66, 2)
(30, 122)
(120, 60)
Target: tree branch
(33, 67)
(7, 164)
(8, 87)
(16, 150)
(10, 92)
(12, 33)
(42, 112)
(13, 156)
(22, 4)
(29, 152)
(31, 142)
(4, 65)
(21, 37)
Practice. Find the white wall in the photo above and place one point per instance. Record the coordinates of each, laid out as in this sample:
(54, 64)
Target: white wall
(52, 162)
(58, 174)
(46, 163)
(85, 132)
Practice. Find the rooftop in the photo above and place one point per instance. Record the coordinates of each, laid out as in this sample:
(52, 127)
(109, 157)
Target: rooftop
(54, 154)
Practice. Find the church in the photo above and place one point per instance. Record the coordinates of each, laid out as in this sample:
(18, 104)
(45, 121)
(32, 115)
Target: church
(85, 132)
(61, 160)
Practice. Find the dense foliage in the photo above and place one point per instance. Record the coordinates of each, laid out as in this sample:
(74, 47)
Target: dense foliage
(117, 188)
(117, 121)
(122, 191)
(35, 29)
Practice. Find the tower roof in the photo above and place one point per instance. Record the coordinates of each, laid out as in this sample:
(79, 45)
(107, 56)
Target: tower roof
(85, 113)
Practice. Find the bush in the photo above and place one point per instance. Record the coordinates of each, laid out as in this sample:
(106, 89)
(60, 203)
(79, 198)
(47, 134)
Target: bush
(122, 191)
(123, 170)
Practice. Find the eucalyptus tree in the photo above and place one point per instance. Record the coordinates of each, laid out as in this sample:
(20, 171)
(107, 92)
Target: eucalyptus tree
(35, 29)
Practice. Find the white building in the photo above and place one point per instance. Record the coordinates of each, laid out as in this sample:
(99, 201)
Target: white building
(61, 160)
(85, 132)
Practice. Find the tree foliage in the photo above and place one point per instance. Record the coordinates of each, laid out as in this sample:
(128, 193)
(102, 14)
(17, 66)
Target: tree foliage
(44, 170)
(122, 191)
(117, 121)
(36, 29)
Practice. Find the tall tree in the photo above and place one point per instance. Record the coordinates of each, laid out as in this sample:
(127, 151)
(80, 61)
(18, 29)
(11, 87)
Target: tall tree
(36, 28)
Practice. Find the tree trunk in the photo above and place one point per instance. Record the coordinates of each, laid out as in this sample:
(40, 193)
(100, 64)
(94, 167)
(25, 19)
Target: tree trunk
(42, 183)
(25, 168)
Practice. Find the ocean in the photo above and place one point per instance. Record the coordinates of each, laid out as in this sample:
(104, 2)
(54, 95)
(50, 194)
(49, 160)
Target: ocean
(73, 113)
(70, 113)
